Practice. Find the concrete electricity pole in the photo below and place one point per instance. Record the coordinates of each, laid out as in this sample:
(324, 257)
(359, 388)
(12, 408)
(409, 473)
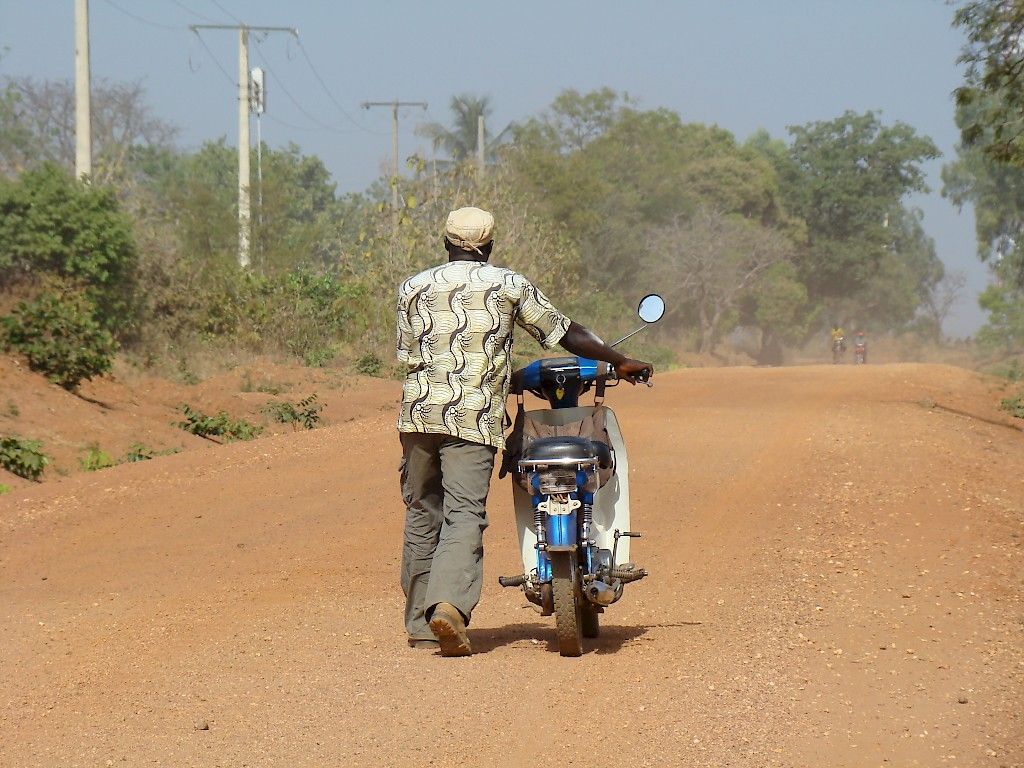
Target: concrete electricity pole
(83, 107)
(394, 138)
(244, 106)
(244, 215)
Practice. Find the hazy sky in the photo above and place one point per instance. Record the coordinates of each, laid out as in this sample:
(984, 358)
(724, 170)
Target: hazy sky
(742, 64)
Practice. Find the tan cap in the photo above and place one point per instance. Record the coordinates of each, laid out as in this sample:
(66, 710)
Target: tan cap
(469, 228)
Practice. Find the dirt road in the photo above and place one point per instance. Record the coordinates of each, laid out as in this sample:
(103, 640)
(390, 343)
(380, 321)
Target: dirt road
(836, 560)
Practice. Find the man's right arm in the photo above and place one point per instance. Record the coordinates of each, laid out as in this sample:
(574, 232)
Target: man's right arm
(545, 323)
(579, 340)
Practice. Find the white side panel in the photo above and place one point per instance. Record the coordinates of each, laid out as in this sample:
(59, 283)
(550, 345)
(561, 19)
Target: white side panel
(611, 503)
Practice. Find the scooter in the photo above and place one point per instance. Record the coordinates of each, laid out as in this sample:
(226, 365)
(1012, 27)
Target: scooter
(860, 352)
(571, 492)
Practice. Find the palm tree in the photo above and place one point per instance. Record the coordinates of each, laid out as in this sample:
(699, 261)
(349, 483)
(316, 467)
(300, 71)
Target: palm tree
(460, 141)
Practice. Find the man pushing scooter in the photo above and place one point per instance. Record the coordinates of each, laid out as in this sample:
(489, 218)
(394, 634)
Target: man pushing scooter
(455, 325)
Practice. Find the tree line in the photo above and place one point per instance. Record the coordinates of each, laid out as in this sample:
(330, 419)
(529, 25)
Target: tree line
(597, 199)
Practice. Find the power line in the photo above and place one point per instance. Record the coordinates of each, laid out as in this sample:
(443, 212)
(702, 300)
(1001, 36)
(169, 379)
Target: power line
(197, 14)
(225, 10)
(292, 126)
(316, 121)
(140, 19)
(216, 61)
(316, 74)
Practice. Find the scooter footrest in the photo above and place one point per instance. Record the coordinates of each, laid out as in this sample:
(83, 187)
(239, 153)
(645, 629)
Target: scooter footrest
(513, 581)
(626, 575)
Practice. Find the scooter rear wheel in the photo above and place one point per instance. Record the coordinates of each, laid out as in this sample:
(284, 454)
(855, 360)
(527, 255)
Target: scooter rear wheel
(567, 603)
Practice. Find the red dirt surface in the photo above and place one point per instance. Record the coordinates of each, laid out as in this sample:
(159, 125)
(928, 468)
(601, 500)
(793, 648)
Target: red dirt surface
(836, 570)
(114, 412)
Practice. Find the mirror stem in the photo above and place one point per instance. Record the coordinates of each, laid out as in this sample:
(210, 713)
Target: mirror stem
(630, 335)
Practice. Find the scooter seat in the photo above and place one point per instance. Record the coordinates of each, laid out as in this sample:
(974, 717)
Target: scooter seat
(568, 448)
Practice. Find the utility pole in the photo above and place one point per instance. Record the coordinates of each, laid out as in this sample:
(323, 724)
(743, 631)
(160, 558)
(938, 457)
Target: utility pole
(394, 138)
(244, 220)
(480, 144)
(83, 106)
(244, 106)
(259, 106)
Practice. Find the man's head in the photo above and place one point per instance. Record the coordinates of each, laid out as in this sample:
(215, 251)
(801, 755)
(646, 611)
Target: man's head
(469, 234)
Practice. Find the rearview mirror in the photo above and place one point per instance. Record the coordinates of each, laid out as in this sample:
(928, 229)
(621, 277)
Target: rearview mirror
(652, 308)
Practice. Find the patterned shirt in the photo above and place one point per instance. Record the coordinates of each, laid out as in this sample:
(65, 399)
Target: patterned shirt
(455, 336)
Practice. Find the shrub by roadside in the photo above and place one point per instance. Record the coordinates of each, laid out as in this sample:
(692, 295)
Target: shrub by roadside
(59, 335)
(23, 458)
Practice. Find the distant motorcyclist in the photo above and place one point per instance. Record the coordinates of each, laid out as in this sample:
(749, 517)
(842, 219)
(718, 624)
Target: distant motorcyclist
(860, 348)
(838, 343)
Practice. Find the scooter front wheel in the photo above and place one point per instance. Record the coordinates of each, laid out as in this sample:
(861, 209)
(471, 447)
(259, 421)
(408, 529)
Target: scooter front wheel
(568, 621)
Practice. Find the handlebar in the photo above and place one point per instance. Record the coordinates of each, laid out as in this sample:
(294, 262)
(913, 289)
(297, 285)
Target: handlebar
(564, 379)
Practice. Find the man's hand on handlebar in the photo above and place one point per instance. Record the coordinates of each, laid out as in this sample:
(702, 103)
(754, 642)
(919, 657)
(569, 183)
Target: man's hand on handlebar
(583, 342)
(634, 371)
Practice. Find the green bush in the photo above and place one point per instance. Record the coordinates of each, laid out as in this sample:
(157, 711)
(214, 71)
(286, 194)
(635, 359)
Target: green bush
(301, 313)
(23, 458)
(369, 365)
(218, 425)
(139, 452)
(1013, 370)
(52, 225)
(266, 386)
(60, 337)
(304, 413)
(1013, 405)
(95, 459)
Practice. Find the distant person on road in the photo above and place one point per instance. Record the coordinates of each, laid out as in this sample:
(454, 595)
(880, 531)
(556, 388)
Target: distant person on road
(838, 345)
(455, 326)
(860, 347)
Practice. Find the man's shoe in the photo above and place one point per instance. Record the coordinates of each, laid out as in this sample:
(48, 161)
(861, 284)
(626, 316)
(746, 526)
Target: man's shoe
(424, 643)
(449, 628)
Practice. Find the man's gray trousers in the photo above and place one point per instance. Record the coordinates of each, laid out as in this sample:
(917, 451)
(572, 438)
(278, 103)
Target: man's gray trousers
(444, 484)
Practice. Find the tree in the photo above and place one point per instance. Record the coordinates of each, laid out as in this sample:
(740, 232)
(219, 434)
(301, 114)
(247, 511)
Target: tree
(37, 124)
(1004, 331)
(989, 170)
(607, 171)
(52, 225)
(994, 56)
(460, 141)
(574, 119)
(996, 191)
(195, 194)
(778, 305)
(939, 302)
(847, 179)
(709, 262)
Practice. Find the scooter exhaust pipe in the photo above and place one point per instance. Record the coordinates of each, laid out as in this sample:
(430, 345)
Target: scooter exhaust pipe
(603, 594)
